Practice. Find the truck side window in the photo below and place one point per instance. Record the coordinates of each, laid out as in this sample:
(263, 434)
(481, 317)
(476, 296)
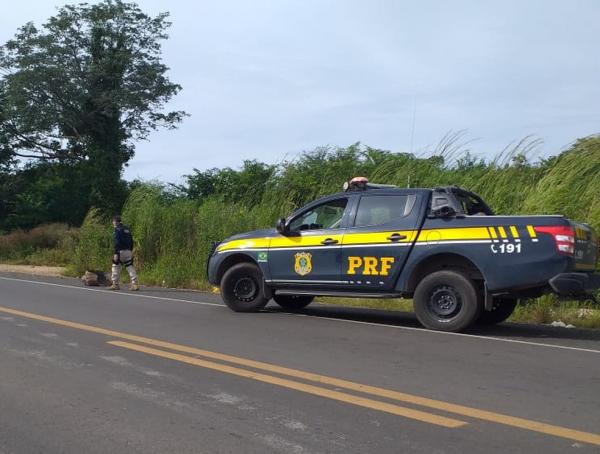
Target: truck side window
(381, 209)
(325, 216)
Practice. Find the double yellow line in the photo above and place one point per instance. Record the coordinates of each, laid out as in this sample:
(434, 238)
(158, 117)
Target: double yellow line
(202, 358)
(298, 386)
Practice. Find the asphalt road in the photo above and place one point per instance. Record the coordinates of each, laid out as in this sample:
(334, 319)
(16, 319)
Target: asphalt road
(90, 371)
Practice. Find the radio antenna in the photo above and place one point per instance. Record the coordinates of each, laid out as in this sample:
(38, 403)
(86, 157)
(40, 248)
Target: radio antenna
(414, 120)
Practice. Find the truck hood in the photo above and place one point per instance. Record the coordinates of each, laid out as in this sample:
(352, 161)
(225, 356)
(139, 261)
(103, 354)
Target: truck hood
(264, 233)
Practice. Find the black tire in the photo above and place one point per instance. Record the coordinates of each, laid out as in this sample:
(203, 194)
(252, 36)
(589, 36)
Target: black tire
(241, 288)
(446, 301)
(293, 302)
(502, 309)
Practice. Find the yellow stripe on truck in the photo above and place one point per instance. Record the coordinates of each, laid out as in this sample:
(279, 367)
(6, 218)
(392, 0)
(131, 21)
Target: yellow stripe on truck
(465, 233)
(585, 266)
(246, 243)
(514, 231)
(502, 232)
(303, 241)
(455, 234)
(378, 237)
(531, 231)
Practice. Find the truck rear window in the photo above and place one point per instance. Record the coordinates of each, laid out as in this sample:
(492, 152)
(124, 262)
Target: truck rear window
(471, 206)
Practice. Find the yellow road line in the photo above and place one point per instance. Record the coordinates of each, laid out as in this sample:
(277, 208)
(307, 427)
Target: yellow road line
(484, 415)
(297, 386)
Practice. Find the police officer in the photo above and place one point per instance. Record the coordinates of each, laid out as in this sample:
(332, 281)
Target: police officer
(123, 255)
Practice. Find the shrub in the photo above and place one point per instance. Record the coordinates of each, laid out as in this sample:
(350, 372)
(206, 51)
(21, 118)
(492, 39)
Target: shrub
(50, 244)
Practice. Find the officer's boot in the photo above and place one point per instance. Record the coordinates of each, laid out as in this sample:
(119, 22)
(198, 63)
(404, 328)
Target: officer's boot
(134, 287)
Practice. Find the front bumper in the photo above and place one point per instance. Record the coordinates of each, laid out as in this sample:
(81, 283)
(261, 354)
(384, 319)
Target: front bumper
(211, 269)
(575, 284)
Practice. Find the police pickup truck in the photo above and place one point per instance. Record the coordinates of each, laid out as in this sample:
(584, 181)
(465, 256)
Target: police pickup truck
(443, 247)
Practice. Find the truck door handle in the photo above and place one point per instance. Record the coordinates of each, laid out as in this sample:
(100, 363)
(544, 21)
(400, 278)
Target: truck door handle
(329, 241)
(396, 237)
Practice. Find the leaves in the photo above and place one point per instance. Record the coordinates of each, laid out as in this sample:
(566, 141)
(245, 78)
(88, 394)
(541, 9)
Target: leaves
(89, 72)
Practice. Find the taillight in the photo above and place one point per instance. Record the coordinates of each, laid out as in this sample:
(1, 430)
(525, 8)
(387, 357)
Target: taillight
(564, 237)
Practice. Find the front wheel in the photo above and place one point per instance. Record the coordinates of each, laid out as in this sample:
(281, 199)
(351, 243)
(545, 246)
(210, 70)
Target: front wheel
(293, 302)
(502, 308)
(241, 288)
(446, 301)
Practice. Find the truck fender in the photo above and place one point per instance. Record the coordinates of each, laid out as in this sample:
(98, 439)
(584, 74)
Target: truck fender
(240, 257)
(426, 263)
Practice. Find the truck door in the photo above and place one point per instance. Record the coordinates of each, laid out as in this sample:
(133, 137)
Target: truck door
(311, 253)
(379, 238)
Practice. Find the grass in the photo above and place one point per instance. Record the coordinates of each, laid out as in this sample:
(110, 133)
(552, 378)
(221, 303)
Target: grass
(544, 310)
(549, 309)
(384, 304)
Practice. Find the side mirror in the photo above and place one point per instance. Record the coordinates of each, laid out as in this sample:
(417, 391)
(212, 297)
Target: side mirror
(444, 211)
(281, 227)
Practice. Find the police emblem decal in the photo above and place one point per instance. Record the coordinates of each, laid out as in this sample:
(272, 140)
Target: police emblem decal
(303, 264)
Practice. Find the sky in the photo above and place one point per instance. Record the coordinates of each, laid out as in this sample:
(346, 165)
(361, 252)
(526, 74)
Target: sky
(269, 79)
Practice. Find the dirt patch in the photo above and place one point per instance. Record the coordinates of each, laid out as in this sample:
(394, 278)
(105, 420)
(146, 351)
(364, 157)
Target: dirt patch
(56, 271)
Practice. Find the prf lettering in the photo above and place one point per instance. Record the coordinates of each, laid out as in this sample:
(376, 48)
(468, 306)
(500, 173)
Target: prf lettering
(370, 266)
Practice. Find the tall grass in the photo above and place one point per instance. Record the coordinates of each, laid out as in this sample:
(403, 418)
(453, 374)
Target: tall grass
(93, 251)
(173, 235)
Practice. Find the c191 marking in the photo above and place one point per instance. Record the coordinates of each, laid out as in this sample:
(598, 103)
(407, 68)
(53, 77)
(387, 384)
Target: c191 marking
(506, 248)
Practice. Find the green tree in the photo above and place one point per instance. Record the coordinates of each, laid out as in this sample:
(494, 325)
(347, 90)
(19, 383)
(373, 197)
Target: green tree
(41, 193)
(83, 88)
(247, 184)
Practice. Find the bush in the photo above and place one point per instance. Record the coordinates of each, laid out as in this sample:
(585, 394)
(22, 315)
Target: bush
(50, 244)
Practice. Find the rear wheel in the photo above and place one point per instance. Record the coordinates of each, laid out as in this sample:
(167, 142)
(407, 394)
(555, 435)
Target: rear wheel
(502, 309)
(446, 301)
(241, 288)
(293, 302)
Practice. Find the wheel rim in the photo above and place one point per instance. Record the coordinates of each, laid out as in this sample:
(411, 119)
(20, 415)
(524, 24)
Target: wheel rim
(444, 303)
(245, 289)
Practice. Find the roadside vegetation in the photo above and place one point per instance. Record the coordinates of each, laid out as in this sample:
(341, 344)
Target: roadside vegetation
(49, 244)
(174, 226)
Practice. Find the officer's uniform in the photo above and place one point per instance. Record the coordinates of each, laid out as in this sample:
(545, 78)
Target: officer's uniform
(123, 245)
